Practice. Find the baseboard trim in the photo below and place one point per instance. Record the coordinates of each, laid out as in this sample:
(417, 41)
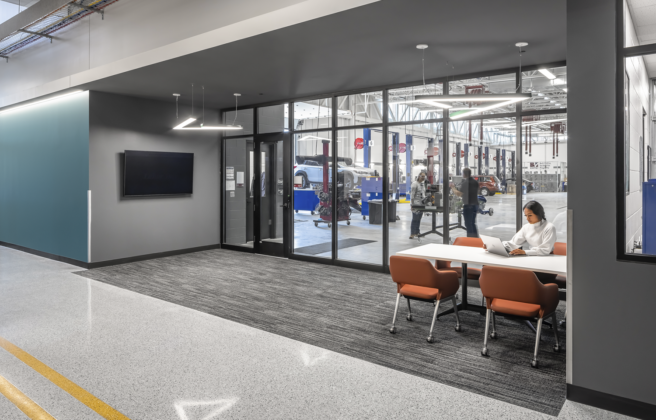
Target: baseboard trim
(151, 256)
(621, 405)
(108, 263)
(44, 254)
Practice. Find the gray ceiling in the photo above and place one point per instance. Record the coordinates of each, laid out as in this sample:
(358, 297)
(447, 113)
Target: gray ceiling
(369, 46)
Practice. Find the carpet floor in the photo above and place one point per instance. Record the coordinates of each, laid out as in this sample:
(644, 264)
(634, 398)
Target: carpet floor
(350, 311)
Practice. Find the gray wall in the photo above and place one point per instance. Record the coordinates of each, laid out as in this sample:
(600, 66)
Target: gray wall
(237, 155)
(122, 227)
(612, 302)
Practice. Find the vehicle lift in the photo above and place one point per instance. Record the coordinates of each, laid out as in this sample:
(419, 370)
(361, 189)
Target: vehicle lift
(324, 208)
(433, 202)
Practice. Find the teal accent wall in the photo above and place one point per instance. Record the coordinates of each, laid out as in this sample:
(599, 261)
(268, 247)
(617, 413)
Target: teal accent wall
(44, 176)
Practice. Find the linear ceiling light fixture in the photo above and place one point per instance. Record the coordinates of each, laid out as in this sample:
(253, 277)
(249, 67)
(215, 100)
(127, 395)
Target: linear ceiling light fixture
(185, 124)
(499, 100)
(54, 98)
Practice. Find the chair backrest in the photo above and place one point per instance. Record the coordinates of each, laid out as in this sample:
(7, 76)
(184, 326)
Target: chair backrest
(511, 284)
(466, 241)
(414, 271)
(560, 248)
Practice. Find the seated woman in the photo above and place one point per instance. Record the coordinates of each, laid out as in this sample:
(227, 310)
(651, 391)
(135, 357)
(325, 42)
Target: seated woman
(538, 234)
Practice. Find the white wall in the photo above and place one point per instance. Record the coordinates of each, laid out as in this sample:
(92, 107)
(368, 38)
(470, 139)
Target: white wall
(639, 100)
(138, 33)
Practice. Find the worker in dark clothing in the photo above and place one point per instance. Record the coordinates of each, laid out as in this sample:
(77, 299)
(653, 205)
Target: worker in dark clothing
(468, 190)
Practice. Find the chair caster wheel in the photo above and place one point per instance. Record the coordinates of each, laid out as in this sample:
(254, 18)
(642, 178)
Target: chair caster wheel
(556, 348)
(312, 213)
(392, 330)
(493, 335)
(430, 339)
(485, 352)
(364, 217)
(458, 328)
(330, 225)
(296, 211)
(409, 317)
(534, 363)
(562, 323)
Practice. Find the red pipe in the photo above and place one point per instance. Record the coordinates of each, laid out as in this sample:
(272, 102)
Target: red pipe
(557, 144)
(553, 145)
(530, 140)
(326, 167)
(470, 133)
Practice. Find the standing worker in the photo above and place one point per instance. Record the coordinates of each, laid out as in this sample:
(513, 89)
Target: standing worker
(468, 190)
(417, 196)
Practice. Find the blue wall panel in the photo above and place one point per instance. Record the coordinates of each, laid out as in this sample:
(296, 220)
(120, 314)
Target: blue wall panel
(44, 176)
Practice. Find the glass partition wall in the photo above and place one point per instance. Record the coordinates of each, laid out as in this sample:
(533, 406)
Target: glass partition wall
(381, 141)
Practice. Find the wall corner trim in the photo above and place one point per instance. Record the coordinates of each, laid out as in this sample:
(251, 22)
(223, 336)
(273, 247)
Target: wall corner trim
(614, 403)
(90, 266)
(45, 254)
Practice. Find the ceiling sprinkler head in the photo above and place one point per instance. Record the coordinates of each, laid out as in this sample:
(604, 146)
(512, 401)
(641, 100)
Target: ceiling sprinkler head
(521, 44)
(176, 94)
(237, 94)
(422, 46)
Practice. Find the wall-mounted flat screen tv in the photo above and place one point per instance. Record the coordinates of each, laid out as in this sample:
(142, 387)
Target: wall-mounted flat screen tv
(158, 173)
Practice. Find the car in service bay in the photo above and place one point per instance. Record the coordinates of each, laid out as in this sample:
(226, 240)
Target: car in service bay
(311, 172)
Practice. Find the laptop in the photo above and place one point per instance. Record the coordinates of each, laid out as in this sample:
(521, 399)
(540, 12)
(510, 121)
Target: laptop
(495, 246)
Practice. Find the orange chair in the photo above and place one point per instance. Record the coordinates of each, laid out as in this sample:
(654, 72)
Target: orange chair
(417, 279)
(472, 273)
(520, 294)
(560, 248)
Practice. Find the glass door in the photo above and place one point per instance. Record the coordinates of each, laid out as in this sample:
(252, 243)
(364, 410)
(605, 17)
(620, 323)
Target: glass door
(272, 194)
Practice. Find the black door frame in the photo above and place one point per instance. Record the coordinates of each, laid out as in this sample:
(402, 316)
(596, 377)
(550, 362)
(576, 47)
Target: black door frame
(269, 248)
(386, 125)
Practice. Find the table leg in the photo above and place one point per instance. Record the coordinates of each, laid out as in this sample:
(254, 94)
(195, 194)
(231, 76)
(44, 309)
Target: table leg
(464, 286)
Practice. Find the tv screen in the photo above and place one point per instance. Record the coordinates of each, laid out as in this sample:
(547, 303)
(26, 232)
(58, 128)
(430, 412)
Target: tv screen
(158, 173)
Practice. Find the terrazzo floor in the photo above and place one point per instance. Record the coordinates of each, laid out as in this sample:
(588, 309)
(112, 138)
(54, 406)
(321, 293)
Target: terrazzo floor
(151, 359)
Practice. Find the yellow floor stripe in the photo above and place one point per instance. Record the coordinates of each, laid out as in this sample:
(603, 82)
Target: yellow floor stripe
(76, 391)
(20, 400)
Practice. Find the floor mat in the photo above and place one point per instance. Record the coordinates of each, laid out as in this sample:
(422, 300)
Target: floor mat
(327, 246)
(350, 312)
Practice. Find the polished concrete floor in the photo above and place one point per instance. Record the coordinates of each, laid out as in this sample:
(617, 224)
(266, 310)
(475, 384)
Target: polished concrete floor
(501, 224)
(150, 359)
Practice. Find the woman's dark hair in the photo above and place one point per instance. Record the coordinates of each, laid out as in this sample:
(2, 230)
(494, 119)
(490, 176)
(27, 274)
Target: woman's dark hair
(536, 208)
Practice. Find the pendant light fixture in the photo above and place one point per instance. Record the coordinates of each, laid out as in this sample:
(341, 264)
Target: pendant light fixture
(185, 125)
(495, 100)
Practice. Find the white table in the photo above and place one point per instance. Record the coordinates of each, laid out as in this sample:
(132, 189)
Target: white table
(555, 264)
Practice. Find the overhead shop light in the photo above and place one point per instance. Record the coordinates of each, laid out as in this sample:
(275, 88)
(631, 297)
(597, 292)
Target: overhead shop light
(549, 75)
